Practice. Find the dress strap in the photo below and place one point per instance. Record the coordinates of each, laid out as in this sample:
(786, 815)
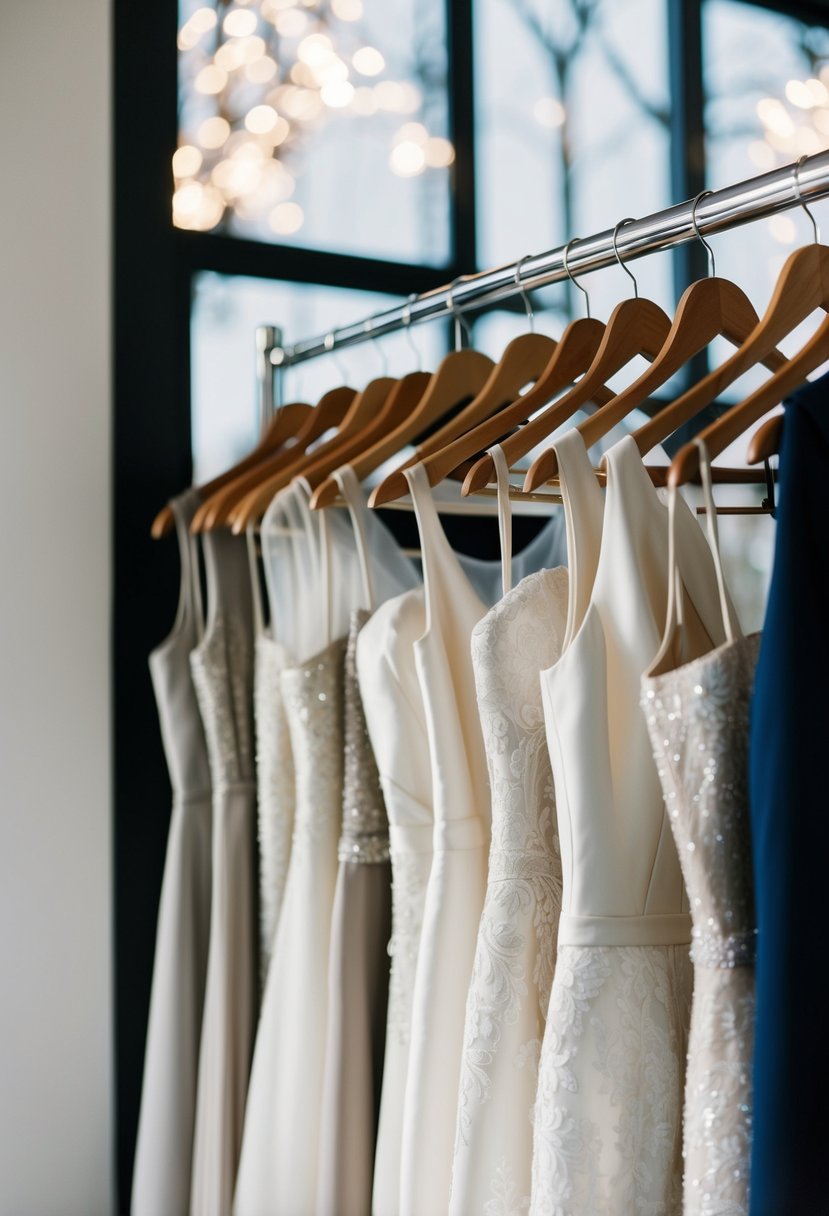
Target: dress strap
(346, 479)
(255, 585)
(430, 529)
(583, 514)
(190, 604)
(729, 616)
(504, 514)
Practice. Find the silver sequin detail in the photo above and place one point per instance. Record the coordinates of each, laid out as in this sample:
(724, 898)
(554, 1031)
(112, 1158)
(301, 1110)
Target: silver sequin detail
(697, 718)
(365, 827)
(222, 668)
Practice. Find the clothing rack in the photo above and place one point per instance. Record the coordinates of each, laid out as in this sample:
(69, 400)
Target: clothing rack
(714, 212)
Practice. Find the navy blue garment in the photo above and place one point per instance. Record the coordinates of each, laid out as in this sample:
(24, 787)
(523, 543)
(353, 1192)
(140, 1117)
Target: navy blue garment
(789, 793)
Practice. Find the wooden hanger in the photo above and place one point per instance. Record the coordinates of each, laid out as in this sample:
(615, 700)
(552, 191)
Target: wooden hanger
(635, 326)
(708, 309)
(765, 442)
(286, 422)
(801, 289)
(364, 406)
(330, 411)
(523, 360)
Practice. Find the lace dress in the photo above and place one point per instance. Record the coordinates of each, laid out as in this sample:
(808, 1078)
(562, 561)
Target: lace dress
(222, 667)
(161, 1176)
(698, 722)
(506, 1006)
(358, 970)
(608, 1111)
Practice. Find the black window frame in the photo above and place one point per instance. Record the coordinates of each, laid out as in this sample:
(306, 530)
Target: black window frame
(154, 267)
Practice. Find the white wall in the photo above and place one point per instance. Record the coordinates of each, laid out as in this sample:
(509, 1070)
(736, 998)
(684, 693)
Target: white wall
(55, 839)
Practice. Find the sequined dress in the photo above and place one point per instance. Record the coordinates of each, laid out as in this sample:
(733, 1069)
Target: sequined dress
(222, 666)
(697, 717)
(358, 970)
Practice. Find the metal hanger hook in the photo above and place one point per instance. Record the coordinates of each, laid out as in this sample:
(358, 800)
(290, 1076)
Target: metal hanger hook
(629, 273)
(798, 191)
(574, 241)
(461, 326)
(712, 265)
(407, 329)
(368, 326)
(330, 344)
(522, 291)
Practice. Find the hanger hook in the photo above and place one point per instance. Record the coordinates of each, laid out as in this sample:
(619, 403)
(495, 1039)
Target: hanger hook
(570, 275)
(629, 273)
(461, 327)
(522, 291)
(407, 329)
(330, 345)
(712, 265)
(798, 191)
(368, 326)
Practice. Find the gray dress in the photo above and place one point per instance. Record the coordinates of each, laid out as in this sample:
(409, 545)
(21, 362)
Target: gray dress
(161, 1175)
(223, 675)
(697, 717)
(358, 970)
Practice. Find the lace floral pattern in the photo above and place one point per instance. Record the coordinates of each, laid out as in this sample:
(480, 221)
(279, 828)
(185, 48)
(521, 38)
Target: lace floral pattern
(616, 1031)
(515, 953)
(697, 717)
(365, 834)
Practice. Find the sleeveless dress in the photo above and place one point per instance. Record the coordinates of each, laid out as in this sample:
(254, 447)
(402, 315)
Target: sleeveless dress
(515, 951)
(222, 666)
(358, 975)
(697, 716)
(457, 879)
(512, 973)
(274, 772)
(607, 1134)
(396, 723)
(164, 1148)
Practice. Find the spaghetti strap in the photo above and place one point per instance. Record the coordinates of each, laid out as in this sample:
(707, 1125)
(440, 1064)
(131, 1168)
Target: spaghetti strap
(346, 479)
(504, 514)
(255, 586)
(730, 622)
(584, 514)
(190, 606)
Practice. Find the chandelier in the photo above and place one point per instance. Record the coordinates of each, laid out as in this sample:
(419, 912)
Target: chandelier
(258, 80)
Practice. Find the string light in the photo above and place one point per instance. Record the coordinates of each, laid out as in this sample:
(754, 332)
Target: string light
(259, 77)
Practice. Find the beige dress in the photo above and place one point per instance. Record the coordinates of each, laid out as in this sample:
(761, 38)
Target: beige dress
(222, 667)
(358, 970)
(163, 1152)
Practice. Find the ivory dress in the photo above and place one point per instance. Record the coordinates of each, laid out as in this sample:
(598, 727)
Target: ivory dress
(164, 1148)
(222, 667)
(697, 716)
(457, 879)
(608, 1110)
(512, 973)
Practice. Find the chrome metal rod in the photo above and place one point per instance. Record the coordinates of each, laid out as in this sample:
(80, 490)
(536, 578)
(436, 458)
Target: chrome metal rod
(754, 199)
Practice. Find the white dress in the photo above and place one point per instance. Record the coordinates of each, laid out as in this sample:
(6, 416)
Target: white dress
(457, 879)
(608, 1110)
(222, 667)
(163, 1152)
(506, 1006)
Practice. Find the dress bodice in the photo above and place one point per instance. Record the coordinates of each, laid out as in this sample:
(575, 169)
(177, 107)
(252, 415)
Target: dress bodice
(365, 827)
(182, 731)
(222, 663)
(697, 717)
(622, 880)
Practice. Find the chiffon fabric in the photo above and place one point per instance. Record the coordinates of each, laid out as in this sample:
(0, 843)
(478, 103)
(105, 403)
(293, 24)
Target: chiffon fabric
(506, 1006)
(164, 1147)
(607, 1136)
(222, 666)
(457, 878)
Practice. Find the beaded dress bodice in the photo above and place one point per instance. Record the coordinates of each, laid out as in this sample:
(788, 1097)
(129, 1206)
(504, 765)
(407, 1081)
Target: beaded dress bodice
(365, 827)
(698, 717)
